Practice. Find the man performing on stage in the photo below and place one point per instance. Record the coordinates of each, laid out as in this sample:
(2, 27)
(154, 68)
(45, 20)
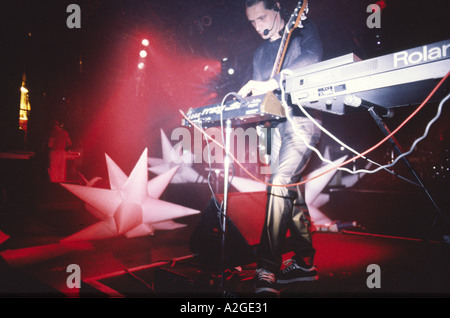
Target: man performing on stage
(286, 208)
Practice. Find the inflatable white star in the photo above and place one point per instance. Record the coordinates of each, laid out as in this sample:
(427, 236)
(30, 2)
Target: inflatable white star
(174, 156)
(131, 207)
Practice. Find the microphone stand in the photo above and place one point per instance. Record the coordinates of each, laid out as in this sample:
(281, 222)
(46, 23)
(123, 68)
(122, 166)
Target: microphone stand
(397, 149)
(225, 198)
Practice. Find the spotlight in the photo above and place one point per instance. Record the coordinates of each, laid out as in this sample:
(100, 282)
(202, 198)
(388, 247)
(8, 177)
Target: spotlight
(141, 65)
(145, 42)
(143, 53)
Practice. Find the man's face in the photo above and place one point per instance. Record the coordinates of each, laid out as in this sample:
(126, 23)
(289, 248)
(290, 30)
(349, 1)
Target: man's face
(264, 19)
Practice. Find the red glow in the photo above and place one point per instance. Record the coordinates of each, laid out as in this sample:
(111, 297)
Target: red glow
(30, 255)
(131, 109)
(213, 95)
(213, 68)
(381, 4)
(3, 237)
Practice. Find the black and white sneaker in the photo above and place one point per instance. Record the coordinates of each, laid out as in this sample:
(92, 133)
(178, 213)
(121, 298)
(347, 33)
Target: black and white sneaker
(265, 283)
(295, 273)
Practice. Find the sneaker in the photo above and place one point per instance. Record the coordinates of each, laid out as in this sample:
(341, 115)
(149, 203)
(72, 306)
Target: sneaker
(265, 282)
(296, 273)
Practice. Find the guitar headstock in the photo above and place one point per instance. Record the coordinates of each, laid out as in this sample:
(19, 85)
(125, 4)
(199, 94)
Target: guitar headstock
(299, 15)
(294, 21)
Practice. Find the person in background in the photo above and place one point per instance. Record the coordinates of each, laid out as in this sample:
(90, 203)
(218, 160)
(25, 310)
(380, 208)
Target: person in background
(58, 143)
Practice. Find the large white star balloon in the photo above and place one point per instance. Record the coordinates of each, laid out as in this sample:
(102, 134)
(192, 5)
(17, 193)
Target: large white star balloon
(175, 156)
(131, 207)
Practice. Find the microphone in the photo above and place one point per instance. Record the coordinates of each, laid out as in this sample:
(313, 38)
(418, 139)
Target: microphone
(266, 31)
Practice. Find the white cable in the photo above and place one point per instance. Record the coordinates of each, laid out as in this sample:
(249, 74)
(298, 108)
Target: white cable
(328, 133)
(289, 118)
(284, 103)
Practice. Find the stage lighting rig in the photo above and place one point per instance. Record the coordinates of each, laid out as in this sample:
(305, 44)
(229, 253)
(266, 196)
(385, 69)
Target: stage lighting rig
(143, 53)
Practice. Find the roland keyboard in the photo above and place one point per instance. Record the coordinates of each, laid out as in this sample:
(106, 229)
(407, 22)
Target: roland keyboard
(398, 79)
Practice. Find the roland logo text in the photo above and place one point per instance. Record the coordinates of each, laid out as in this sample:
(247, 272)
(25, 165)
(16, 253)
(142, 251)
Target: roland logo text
(425, 54)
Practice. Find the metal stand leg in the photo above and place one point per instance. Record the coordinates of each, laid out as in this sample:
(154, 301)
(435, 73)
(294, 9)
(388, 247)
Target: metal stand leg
(225, 198)
(396, 147)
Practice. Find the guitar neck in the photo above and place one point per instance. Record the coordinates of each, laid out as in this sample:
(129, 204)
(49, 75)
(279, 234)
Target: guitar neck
(279, 58)
(295, 21)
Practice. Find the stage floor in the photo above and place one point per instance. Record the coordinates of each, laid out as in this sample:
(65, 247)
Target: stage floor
(34, 263)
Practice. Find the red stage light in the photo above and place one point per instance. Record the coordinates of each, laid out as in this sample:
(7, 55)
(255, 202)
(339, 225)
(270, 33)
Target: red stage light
(143, 53)
(381, 4)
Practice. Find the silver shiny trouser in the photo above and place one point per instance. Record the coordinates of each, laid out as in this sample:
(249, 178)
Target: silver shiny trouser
(286, 207)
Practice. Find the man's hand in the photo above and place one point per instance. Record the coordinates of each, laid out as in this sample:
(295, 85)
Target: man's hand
(258, 87)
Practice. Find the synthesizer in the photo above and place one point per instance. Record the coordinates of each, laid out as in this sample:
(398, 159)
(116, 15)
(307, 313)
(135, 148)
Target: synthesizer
(393, 80)
(248, 110)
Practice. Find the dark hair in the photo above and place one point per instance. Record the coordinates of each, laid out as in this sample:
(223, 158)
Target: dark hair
(268, 4)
